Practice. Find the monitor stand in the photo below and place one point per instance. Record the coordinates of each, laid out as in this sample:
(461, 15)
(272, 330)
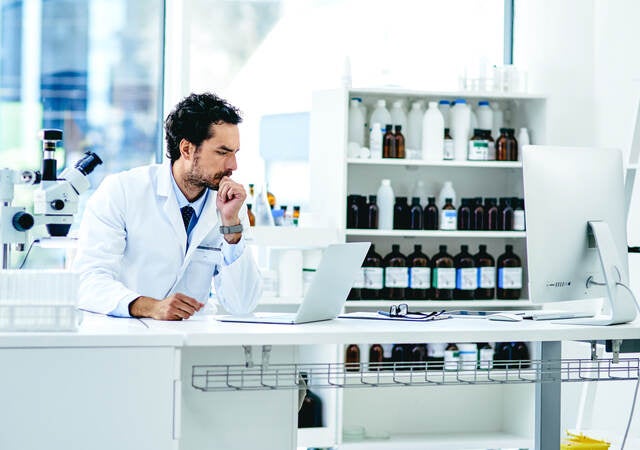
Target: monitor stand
(621, 301)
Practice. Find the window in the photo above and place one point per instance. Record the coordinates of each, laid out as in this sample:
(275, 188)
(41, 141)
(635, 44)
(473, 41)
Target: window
(268, 57)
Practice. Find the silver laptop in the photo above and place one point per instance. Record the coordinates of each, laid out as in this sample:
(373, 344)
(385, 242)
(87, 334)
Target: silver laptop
(328, 291)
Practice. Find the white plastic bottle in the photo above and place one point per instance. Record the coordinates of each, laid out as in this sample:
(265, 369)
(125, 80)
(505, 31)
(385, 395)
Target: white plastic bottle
(498, 120)
(485, 116)
(356, 123)
(385, 201)
(433, 134)
(262, 210)
(420, 190)
(460, 121)
(473, 121)
(413, 143)
(523, 139)
(445, 109)
(447, 191)
(398, 115)
(381, 116)
(375, 141)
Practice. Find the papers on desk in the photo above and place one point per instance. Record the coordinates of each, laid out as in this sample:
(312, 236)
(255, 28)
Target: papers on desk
(378, 316)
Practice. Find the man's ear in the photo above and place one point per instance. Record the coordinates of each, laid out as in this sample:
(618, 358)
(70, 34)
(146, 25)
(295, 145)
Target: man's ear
(186, 149)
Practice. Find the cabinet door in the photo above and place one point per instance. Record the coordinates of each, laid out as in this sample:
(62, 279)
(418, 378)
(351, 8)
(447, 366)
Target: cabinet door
(80, 398)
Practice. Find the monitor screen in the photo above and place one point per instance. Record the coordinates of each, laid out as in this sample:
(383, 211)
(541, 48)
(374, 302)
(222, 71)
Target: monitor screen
(565, 188)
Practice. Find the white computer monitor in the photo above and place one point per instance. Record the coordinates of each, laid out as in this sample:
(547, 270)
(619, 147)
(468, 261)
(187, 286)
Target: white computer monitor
(576, 229)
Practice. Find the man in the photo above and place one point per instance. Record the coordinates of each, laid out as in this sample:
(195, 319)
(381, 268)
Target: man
(152, 238)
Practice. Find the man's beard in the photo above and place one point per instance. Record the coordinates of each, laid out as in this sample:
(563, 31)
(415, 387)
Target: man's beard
(196, 178)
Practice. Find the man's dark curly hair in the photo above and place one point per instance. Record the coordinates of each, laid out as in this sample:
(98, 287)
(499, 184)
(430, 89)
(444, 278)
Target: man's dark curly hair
(192, 118)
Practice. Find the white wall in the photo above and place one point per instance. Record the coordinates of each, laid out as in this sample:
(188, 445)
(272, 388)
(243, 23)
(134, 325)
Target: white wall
(582, 54)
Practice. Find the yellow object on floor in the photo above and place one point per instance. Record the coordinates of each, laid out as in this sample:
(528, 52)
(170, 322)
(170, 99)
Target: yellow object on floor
(582, 442)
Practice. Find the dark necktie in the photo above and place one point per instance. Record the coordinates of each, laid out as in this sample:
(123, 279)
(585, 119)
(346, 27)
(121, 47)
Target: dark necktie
(187, 213)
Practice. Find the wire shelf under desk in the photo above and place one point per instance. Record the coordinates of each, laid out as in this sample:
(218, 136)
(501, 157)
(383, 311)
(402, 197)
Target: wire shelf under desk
(362, 375)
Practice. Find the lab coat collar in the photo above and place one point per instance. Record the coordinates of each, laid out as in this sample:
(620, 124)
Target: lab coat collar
(170, 207)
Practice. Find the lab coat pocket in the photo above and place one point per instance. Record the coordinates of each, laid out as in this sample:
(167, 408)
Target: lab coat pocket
(201, 270)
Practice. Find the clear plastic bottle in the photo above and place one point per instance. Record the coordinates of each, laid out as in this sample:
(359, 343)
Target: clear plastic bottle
(385, 200)
(485, 115)
(460, 121)
(473, 121)
(356, 122)
(433, 134)
(420, 190)
(398, 114)
(523, 139)
(262, 210)
(413, 133)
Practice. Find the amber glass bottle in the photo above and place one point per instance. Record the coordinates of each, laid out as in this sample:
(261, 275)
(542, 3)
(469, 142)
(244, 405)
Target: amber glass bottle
(400, 153)
(416, 215)
(466, 275)
(396, 274)
(252, 217)
(376, 356)
(352, 358)
(486, 274)
(477, 220)
(464, 214)
(401, 214)
(389, 143)
(506, 214)
(490, 214)
(443, 275)
(509, 275)
(373, 272)
(431, 215)
(419, 274)
(271, 199)
(372, 213)
(506, 145)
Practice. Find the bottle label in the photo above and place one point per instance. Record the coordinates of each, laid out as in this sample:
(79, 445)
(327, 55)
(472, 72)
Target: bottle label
(448, 219)
(467, 278)
(448, 151)
(492, 151)
(468, 359)
(486, 277)
(444, 278)
(373, 277)
(478, 150)
(510, 277)
(397, 277)
(419, 277)
(451, 359)
(359, 282)
(386, 350)
(518, 220)
(486, 358)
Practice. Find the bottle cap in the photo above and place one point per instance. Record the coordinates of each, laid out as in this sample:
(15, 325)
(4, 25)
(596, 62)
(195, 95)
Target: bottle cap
(431, 199)
(483, 103)
(398, 103)
(433, 105)
(401, 199)
(448, 200)
(415, 201)
(373, 198)
(508, 247)
(443, 248)
(482, 247)
(504, 130)
(417, 247)
(415, 105)
(358, 99)
(388, 127)
(395, 247)
(464, 248)
(382, 103)
(386, 182)
(478, 132)
(459, 101)
(398, 128)
(444, 102)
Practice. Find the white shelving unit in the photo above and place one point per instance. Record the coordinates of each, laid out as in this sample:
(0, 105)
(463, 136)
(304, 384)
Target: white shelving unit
(328, 150)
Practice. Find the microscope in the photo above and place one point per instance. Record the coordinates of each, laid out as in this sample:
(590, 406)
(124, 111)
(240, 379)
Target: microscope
(54, 203)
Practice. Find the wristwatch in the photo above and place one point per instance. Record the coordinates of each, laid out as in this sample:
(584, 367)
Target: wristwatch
(232, 229)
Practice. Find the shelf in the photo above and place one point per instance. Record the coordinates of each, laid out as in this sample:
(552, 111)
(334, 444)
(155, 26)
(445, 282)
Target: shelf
(438, 234)
(396, 92)
(422, 163)
(237, 377)
(435, 304)
(292, 237)
(453, 441)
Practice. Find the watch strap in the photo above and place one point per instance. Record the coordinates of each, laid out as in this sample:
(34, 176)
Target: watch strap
(232, 229)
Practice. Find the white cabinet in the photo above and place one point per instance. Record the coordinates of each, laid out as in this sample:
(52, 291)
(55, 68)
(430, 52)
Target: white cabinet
(334, 176)
(503, 415)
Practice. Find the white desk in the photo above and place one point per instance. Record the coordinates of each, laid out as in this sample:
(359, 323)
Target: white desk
(117, 383)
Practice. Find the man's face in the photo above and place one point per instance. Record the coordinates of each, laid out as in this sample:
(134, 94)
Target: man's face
(215, 157)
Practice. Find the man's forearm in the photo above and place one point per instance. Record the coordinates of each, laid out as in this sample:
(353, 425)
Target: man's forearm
(143, 307)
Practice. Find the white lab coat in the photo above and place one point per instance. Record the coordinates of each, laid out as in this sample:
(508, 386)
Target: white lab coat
(132, 242)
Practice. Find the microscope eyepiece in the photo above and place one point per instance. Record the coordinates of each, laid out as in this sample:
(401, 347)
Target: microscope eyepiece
(51, 135)
(87, 163)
